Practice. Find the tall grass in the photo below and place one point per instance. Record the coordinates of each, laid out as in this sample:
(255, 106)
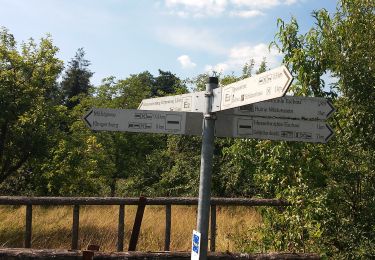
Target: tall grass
(98, 225)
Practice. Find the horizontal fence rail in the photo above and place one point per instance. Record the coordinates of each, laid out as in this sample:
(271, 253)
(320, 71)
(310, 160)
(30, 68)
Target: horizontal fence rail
(141, 202)
(9, 200)
(38, 254)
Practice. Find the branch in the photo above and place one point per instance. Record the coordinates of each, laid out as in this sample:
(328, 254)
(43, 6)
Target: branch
(7, 172)
(3, 134)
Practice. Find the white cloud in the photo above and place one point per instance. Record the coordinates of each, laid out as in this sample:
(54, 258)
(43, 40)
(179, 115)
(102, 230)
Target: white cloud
(196, 8)
(257, 52)
(203, 8)
(186, 62)
(247, 14)
(220, 68)
(190, 39)
(290, 2)
(263, 4)
(239, 55)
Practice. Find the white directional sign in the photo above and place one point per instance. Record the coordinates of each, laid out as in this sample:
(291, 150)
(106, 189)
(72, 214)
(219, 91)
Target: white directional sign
(272, 129)
(144, 121)
(191, 102)
(268, 85)
(287, 107)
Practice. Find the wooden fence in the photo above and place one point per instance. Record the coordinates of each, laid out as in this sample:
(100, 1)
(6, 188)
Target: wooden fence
(76, 202)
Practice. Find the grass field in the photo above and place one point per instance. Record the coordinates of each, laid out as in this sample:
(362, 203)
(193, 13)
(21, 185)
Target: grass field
(98, 225)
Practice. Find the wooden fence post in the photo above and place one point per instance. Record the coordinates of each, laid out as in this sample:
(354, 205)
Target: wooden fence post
(75, 227)
(137, 224)
(168, 221)
(213, 228)
(121, 226)
(28, 226)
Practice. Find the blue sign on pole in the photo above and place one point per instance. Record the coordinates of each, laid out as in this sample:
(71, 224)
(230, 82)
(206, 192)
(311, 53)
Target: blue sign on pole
(195, 245)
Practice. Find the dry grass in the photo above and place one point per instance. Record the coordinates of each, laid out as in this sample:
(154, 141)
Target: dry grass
(98, 225)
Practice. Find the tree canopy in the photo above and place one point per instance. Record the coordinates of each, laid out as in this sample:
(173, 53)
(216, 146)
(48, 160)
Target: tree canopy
(76, 80)
(28, 80)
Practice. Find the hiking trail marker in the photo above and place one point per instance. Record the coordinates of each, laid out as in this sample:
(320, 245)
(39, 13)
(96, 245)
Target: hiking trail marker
(250, 108)
(195, 245)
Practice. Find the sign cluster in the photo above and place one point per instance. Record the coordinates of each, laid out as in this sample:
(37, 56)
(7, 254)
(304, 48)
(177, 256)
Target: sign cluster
(251, 108)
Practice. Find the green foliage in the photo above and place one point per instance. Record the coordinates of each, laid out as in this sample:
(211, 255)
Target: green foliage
(29, 114)
(76, 80)
(180, 177)
(247, 69)
(167, 83)
(331, 187)
(198, 82)
(262, 67)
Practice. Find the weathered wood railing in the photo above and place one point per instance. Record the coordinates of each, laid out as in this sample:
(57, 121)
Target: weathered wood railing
(76, 202)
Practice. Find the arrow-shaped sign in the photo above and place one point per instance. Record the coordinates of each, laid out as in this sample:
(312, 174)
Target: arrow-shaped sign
(268, 85)
(287, 107)
(272, 129)
(143, 121)
(191, 102)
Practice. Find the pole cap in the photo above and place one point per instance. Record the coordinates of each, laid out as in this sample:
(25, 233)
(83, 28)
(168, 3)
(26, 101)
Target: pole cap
(214, 80)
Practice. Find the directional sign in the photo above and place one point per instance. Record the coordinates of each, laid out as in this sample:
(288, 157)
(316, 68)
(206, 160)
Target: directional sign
(272, 129)
(287, 107)
(191, 102)
(268, 85)
(144, 121)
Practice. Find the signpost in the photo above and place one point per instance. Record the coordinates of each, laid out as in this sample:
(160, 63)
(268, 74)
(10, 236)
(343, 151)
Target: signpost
(204, 201)
(143, 121)
(250, 108)
(192, 102)
(287, 107)
(273, 129)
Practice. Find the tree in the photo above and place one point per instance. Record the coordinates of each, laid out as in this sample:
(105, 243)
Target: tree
(29, 117)
(167, 83)
(76, 80)
(87, 163)
(331, 187)
(263, 67)
(139, 177)
(247, 69)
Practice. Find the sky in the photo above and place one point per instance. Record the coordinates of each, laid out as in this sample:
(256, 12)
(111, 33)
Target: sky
(185, 37)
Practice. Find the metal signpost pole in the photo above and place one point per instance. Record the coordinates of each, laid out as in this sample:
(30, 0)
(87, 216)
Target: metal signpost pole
(206, 168)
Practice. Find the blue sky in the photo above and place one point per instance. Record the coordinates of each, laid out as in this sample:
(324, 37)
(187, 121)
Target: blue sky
(186, 37)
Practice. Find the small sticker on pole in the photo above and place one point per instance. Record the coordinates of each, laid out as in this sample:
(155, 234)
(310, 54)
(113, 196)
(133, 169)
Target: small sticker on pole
(195, 245)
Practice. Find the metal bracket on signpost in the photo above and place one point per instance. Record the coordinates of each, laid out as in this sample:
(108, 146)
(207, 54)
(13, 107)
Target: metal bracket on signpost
(206, 168)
